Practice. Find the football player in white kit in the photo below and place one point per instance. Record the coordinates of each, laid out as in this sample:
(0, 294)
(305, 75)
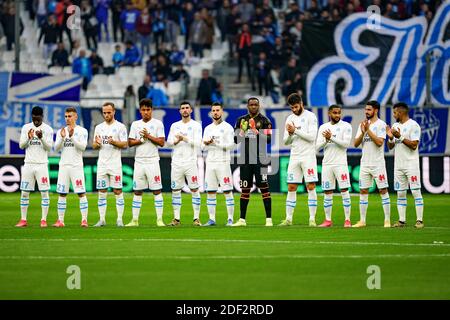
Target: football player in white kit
(371, 134)
(36, 138)
(300, 132)
(218, 140)
(147, 135)
(185, 136)
(110, 137)
(72, 140)
(335, 137)
(405, 137)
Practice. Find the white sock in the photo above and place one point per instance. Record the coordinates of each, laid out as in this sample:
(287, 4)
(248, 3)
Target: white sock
(328, 205)
(136, 206)
(418, 201)
(196, 204)
(45, 203)
(211, 202)
(176, 204)
(363, 204)
(312, 203)
(229, 199)
(24, 202)
(159, 205)
(84, 207)
(102, 204)
(120, 205)
(291, 201)
(386, 203)
(401, 205)
(62, 203)
(347, 204)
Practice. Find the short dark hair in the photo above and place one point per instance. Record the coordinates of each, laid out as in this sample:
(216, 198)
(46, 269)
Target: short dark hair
(333, 106)
(146, 102)
(401, 105)
(71, 109)
(37, 111)
(217, 104)
(185, 102)
(109, 104)
(373, 103)
(294, 98)
(252, 98)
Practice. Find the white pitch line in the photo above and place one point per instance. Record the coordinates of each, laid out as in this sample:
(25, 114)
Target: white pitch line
(224, 257)
(353, 243)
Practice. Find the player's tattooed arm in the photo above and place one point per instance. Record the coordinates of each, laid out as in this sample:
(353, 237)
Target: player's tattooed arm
(412, 144)
(376, 139)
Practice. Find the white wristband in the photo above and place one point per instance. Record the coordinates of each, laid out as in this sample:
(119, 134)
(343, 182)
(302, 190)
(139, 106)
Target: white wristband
(401, 138)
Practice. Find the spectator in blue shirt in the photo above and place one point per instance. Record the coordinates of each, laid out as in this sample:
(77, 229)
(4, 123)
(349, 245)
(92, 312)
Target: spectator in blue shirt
(176, 55)
(117, 57)
(129, 18)
(101, 12)
(133, 55)
(82, 66)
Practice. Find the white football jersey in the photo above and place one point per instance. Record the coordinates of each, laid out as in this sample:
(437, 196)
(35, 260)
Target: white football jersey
(148, 151)
(72, 147)
(404, 156)
(185, 151)
(223, 135)
(372, 155)
(335, 150)
(36, 150)
(109, 155)
(303, 140)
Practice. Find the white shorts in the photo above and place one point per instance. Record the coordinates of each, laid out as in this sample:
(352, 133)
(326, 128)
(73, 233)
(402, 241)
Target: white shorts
(147, 176)
(32, 173)
(331, 173)
(368, 174)
(218, 173)
(405, 177)
(298, 169)
(181, 173)
(109, 177)
(68, 174)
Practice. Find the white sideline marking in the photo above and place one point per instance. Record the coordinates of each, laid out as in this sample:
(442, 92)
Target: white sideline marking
(443, 255)
(353, 243)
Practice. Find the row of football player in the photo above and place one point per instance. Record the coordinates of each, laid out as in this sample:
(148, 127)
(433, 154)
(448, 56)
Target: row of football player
(300, 132)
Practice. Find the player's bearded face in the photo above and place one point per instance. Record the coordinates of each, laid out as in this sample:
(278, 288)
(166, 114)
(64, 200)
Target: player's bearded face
(185, 111)
(370, 112)
(297, 108)
(396, 115)
(335, 115)
(37, 120)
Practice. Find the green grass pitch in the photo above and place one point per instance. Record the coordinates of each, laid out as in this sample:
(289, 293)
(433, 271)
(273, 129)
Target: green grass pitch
(255, 262)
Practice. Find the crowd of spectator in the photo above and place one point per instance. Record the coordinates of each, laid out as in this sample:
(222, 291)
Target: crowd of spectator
(263, 36)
